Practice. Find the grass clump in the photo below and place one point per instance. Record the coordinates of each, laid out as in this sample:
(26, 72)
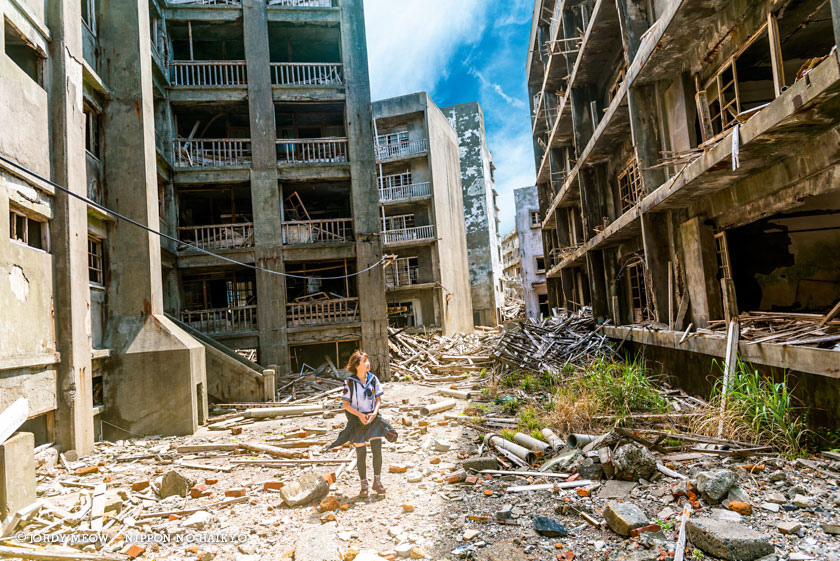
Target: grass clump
(530, 420)
(757, 410)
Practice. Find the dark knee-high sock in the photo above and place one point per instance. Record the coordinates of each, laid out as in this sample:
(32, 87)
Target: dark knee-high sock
(376, 449)
(361, 460)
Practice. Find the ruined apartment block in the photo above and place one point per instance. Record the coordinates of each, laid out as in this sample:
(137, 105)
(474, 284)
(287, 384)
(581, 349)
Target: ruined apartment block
(83, 335)
(422, 215)
(532, 258)
(266, 156)
(511, 266)
(481, 212)
(687, 161)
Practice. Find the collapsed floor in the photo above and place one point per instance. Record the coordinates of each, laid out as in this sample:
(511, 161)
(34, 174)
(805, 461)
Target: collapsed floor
(256, 483)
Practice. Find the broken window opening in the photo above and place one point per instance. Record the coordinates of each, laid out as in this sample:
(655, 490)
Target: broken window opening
(33, 232)
(722, 252)
(220, 302)
(321, 301)
(290, 42)
(402, 272)
(617, 82)
(216, 217)
(206, 41)
(89, 15)
(96, 261)
(216, 135)
(540, 262)
(535, 219)
(805, 37)
(314, 355)
(317, 212)
(401, 314)
(638, 291)
(630, 187)
(23, 53)
(92, 132)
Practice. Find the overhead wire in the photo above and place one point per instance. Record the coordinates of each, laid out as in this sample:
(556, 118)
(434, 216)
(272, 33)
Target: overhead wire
(385, 260)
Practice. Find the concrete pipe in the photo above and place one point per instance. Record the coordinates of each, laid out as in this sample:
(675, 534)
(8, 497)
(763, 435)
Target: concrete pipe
(522, 453)
(433, 408)
(531, 443)
(554, 441)
(579, 440)
(456, 393)
(262, 412)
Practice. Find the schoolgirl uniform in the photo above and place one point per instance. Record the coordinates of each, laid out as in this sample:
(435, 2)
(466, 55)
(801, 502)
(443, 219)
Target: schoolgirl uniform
(362, 397)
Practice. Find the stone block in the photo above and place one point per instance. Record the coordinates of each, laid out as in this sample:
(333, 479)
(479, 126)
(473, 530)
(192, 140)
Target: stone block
(624, 517)
(17, 473)
(728, 540)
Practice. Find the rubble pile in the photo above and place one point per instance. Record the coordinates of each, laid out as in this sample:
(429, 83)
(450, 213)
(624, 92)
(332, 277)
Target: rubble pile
(437, 358)
(552, 343)
(513, 310)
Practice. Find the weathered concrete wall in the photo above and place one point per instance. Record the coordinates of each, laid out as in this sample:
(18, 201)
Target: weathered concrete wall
(17, 473)
(449, 222)
(480, 211)
(530, 247)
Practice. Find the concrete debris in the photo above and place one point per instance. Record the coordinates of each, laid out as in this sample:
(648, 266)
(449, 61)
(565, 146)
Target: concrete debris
(302, 491)
(714, 485)
(728, 540)
(624, 517)
(549, 528)
(173, 483)
(633, 462)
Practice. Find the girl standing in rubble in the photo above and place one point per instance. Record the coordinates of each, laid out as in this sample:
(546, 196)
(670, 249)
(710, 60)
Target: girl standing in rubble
(361, 400)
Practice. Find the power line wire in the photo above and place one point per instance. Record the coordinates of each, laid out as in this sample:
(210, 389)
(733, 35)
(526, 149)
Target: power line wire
(176, 240)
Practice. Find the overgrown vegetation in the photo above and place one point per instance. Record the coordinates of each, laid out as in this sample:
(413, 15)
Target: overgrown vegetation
(758, 410)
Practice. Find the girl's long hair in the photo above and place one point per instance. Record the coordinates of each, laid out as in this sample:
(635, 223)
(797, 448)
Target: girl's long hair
(355, 359)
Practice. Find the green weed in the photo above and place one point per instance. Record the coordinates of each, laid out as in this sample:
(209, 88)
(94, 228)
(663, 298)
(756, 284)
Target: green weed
(530, 420)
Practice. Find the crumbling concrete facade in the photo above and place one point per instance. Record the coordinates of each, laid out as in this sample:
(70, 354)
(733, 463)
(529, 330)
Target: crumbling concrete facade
(422, 214)
(532, 259)
(511, 263)
(481, 212)
(687, 163)
(266, 156)
(83, 336)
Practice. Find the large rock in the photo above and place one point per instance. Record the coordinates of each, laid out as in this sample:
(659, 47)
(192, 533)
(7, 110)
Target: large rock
(173, 483)
(728, 540)
(303, 491)
(633, 462)
(318, 543)
(549, 528)
(714, 485)
(623, 517)
(480, 463)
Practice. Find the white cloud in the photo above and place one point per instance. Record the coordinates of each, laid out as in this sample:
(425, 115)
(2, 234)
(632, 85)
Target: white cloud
(411, 42)
(496, 88)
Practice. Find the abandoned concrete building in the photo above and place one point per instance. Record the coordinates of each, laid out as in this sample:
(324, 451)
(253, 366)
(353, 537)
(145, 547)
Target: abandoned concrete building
(511, 270)
(481, 212)
(687, 165)
(422, 214)
(531, 256)
(266, 156)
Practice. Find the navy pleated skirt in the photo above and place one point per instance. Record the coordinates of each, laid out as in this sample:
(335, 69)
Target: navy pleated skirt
(357, 433)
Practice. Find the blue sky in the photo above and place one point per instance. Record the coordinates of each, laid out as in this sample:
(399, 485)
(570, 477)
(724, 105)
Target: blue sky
(460, 51)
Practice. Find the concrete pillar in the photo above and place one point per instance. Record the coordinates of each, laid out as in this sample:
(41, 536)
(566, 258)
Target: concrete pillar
(657, 254)
(582, 121)
(647, 141)
(835, 17)
(700, 271)
(633, 20)
(68, 231)
(597, 288)
(17, 473)
(265, 191)
(365, 196)
(592, 202)
(155, 382)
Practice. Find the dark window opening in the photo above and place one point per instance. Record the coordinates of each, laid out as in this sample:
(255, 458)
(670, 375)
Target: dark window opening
(23, 54)
(540, 264)
(96, 261)
(205, 41)
(542, 300)
(638, 291)
(401, 314)
(27, 230)
(303, 43)
(92, 133)
(806, 36)
(315, 287)
(210, 291)
(314, 356)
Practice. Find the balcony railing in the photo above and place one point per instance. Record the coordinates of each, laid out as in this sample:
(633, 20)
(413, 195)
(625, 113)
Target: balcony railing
(400, 276)
(236, 3)
(559, 253)
(335, 230)
(306, 74)
(401, 192)
(222, 320)
(219, 236)
(312, 150)
(398, 149)
(212, 152)
(209, 73)
(408, 234)
(304, 3)
(321, 312)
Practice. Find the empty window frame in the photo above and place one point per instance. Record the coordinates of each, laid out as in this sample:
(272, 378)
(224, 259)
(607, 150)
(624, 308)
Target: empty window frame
(402, 272)
(722, 252)
(96, 261)
(92, 132)
(390, 138)
(617, 82)
(27, 230)
(396, 180)
(540, 261)
(535, 219)
(23, 53)
(630, 188)
(401, 314)
(89, 14)
(399, 222)
(638, 291)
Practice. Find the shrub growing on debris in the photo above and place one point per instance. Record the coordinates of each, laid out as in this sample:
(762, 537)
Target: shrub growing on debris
(622, 387)
(758, 410)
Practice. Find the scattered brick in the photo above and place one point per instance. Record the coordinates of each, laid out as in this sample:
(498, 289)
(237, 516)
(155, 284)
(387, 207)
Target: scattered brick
(139, 485)
(199, 491)
(241, 492)
(636, 532)
(397, 468)
(235, 430)
(210, 481)
(86, 470)
(328, 503)
(434, 461)
(408, 508)
(583, 492)
(330, 478)
(135, 551)
(275, 485)
(742, 508)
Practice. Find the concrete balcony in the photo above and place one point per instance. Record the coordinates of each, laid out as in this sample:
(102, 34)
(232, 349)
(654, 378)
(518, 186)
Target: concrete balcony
(322, 312)
(401, 149)
(415, 234)
(222, 321)
(307, 74)
(218, 236)
(212, 152)
(404, 192)
(330, 231)
(208, 73)
(293, 151)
